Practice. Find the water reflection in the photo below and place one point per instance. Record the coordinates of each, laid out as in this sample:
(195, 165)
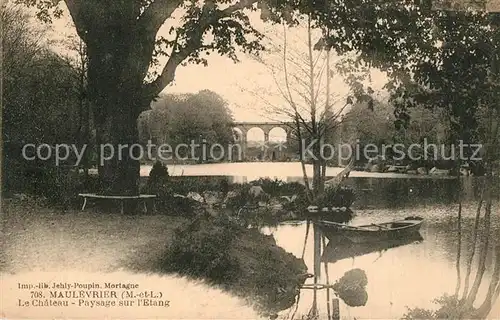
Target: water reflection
(340, 248)
(406, 273)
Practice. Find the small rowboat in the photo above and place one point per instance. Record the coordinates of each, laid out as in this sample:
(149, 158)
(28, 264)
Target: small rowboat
(397, 229)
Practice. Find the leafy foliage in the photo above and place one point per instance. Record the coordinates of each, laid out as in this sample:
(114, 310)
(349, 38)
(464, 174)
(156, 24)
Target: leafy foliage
(449, 308)
(351, 288)
(40, 105)
(39, 87)
(277, 187)
(202, 251)
(202, 118)
(244, 261)
(159, 183)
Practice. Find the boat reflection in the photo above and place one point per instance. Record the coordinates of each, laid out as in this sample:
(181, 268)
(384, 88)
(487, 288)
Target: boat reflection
(340, 248)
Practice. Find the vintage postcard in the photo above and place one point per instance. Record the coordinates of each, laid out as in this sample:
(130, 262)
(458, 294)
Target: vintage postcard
(250, 159)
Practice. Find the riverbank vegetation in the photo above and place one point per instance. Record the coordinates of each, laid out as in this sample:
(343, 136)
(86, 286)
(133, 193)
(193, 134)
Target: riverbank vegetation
(49, 99)
(258, 203)
(240, 260)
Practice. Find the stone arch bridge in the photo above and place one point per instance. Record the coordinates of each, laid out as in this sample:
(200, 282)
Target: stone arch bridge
(265, 127)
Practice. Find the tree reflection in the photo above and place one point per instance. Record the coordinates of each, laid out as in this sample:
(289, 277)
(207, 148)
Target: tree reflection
(466, 302)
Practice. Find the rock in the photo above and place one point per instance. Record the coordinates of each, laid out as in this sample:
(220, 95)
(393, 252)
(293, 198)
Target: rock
(212, 197)
(392, 169)
(195, 196)
(439, 172)
(230, 195)
(421, 170)
(256, 191)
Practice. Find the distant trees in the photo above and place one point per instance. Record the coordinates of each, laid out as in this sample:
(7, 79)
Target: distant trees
(37, 85)
(377, 126)
(203, 117)
(40, 104)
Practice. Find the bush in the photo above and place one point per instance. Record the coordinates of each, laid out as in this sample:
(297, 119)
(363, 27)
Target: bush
(158, 174)
(160, 184)
(449, 308)
(278, 187)
(344, 197)
(271, 187)
(418, 314)
(59, 185)
(202, 250)
(292, 188)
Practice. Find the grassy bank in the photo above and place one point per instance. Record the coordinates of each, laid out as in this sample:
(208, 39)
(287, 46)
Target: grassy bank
(40, 238)
(240, 260)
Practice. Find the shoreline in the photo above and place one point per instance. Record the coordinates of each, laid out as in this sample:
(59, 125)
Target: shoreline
(278, 170)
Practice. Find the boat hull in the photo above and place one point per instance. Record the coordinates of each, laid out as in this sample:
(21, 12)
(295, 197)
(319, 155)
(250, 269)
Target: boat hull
(372, 233)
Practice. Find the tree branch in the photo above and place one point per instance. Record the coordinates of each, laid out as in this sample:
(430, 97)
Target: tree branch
(194, 43)
(238, 6)
(158, 12)
(78, 16)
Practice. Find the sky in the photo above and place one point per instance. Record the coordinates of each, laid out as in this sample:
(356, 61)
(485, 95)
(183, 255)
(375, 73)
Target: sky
(249, 86)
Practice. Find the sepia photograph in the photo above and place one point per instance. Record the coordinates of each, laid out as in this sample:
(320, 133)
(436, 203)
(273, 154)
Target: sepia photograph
(250, 159)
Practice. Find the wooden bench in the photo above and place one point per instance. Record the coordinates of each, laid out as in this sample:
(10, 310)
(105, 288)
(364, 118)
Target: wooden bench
(142, 197)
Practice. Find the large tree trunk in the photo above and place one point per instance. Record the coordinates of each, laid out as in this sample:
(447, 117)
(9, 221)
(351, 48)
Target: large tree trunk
(117, 97)
(119, 167)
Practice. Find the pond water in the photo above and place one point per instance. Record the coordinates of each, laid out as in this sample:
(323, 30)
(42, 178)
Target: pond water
(411, 275)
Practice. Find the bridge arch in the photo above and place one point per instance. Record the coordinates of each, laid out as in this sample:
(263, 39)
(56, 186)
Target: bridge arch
(278, 134)
(256, 134)
(272, 132)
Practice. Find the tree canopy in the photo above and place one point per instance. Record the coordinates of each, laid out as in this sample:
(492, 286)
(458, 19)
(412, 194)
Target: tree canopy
(184, 118)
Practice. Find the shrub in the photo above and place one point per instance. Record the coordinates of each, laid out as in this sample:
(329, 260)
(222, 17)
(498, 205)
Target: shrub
(158, 174)
(241, 198)
(59, 185)
(202, 250)
(278, 187)
(271, 187)
(418, 314)
(292, 188)
(224, 186)
(158, 183)
(449, 308)
(344, 197)
(184, 185)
